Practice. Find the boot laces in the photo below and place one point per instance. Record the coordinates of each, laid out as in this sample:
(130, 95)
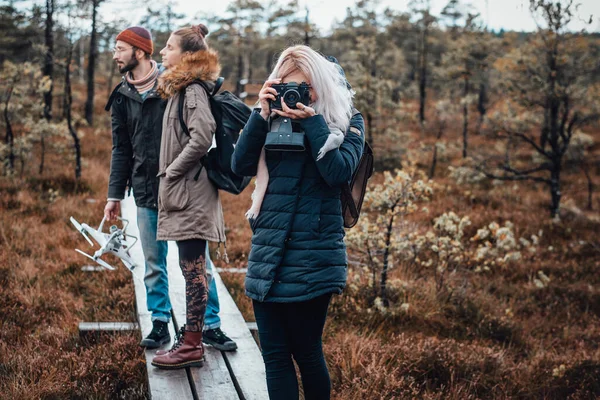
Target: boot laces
(178, 339)
(220, 334)
(160, 329)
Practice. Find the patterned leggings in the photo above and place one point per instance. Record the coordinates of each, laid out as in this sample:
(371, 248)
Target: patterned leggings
(193, 266)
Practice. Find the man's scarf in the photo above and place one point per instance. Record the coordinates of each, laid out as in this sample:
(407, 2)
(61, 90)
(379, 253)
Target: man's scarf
(146, 83)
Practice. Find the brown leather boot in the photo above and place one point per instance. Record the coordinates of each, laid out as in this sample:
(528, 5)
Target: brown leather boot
(187, 352)
(177, 343)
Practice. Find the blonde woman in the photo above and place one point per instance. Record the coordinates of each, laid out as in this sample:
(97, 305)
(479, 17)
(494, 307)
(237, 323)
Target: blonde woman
(189, 210)
(298, 256)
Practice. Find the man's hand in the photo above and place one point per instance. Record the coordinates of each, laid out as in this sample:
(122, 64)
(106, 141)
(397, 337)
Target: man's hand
(112, 210)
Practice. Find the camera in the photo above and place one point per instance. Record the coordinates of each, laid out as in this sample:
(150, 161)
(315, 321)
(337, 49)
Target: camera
(291, 93)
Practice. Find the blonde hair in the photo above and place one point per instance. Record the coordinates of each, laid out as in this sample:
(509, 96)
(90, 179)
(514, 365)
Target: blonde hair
(334, 100)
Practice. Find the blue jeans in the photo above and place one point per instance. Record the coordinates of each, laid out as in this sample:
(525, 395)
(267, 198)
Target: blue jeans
(156, 278)
(211, 316)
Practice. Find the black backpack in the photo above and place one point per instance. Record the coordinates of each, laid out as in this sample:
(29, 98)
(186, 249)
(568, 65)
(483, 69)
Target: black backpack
(353, 193)
(230, 114)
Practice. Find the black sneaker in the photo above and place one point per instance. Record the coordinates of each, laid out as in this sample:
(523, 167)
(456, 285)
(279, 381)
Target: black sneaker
(218, 339)
(159, 335)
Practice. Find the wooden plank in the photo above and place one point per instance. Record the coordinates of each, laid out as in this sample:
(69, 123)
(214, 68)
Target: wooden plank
(252, 326)
(92, 268)
(107, 326)
(213, 380)
(163, 384)
(233, 270)
(246, 363)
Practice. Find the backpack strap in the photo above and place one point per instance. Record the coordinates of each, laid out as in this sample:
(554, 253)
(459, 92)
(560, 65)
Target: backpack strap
(347, 197)
(184, 126)
(346, 191)
(218, 84)
(180, 111)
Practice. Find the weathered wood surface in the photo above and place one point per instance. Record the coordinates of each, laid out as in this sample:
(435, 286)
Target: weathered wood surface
(162, 384)
(246, 364)
(252, 326)
(233, 270)
(225, 375)
(107, 326)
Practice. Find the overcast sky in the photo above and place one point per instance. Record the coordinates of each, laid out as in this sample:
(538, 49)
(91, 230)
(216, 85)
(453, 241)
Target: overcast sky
(507, 14)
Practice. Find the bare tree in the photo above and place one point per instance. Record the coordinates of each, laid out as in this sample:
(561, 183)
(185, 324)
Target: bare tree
(278, 16)
(424, 25)
(244, 17)
(89, 104)
(49, 72)
(10, 137)
(548, 80)
(68, 97)
(464, 67)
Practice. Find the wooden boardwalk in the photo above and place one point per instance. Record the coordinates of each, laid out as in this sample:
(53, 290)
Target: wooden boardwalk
(225, 375)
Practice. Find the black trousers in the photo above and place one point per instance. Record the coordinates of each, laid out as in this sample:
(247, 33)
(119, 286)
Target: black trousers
(193, 265)
(289, 330)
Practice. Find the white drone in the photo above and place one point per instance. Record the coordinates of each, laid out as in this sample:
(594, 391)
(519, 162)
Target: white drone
(115, 242)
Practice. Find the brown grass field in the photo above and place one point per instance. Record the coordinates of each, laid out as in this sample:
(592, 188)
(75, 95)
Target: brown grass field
(492, 335)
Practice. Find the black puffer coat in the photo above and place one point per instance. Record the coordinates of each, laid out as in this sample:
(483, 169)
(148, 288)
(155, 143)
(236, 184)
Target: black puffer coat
(298, 250)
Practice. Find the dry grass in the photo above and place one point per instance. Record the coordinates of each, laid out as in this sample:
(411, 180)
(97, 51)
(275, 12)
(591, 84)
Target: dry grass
(460, 344)
(492, 335)
(44, 293)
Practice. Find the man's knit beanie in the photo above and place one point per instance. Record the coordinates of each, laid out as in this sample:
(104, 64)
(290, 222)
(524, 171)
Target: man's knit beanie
(138, 37)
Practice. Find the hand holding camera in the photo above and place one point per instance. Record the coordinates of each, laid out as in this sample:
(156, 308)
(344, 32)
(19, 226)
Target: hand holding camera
(292, 100)
(267, 94)
(285, 99)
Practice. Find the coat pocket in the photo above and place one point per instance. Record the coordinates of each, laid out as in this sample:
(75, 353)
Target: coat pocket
(173, 194)
(315, 219)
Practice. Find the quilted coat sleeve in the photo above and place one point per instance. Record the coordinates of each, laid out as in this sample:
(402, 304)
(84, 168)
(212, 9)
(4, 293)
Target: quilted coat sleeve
(244, 161)
(337, 166)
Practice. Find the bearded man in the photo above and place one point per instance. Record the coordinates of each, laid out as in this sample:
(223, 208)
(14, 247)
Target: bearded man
(137, 115)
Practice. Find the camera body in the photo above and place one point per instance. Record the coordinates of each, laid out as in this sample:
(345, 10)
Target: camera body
(291, 93)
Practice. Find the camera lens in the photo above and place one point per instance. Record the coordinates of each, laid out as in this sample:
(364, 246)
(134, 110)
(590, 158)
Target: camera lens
(291, 97)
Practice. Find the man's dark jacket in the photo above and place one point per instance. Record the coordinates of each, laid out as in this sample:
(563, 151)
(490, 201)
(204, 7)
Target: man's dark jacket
(136, 134)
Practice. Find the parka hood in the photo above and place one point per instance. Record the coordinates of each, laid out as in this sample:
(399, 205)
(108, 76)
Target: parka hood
(202, 65)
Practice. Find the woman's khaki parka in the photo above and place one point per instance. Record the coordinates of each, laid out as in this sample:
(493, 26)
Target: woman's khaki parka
(188, 208)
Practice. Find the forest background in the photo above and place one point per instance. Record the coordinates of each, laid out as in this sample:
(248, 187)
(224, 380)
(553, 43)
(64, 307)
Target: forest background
(474, 267)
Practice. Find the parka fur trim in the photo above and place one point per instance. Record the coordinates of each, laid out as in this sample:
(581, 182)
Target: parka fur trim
(201, 65)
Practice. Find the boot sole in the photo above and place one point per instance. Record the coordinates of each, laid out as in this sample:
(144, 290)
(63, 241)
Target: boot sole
(196, 363)
(224, 347)
(151, 344)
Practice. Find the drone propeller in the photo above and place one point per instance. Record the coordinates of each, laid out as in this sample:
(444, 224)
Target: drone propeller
(81, 230)
(129, 265)
(98, 260)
